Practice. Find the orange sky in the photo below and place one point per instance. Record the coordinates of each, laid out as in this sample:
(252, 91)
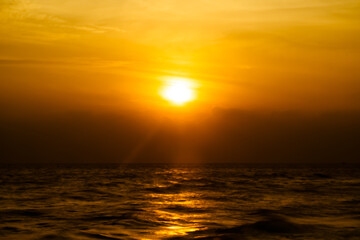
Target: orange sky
(110, 57)
(249, 54)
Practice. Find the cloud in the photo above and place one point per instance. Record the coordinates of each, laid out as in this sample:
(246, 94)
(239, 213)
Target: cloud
(37, 22)
(229, 135)
(85, 137)
(290, 137)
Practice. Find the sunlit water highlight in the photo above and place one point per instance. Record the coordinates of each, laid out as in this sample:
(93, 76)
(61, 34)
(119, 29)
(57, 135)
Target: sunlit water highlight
(162, 202)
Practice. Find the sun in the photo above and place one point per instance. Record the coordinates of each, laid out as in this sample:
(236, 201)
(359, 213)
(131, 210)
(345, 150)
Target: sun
(178, 90)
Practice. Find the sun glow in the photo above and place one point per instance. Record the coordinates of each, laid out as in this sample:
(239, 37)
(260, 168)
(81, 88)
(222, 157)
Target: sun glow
(178, 91)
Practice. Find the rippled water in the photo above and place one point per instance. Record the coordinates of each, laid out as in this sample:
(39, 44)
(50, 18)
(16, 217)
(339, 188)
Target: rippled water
(162, 202)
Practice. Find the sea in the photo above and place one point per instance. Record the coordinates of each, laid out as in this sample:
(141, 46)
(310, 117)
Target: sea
(172, 202)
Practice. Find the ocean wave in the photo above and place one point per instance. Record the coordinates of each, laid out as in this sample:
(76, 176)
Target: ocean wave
(272, 225)
(179, 203)
(99, 236)
(185, 209)
(22, 212)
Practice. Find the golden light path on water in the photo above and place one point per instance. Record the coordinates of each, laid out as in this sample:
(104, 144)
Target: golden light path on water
(181, 210)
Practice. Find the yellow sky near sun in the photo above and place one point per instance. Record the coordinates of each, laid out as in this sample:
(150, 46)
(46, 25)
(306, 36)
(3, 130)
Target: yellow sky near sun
(272, 54)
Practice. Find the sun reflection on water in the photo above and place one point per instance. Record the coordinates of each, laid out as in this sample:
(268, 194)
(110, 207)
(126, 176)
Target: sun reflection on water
(182, 209)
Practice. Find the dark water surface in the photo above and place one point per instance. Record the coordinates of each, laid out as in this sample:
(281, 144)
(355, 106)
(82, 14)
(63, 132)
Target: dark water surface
(162, 202)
